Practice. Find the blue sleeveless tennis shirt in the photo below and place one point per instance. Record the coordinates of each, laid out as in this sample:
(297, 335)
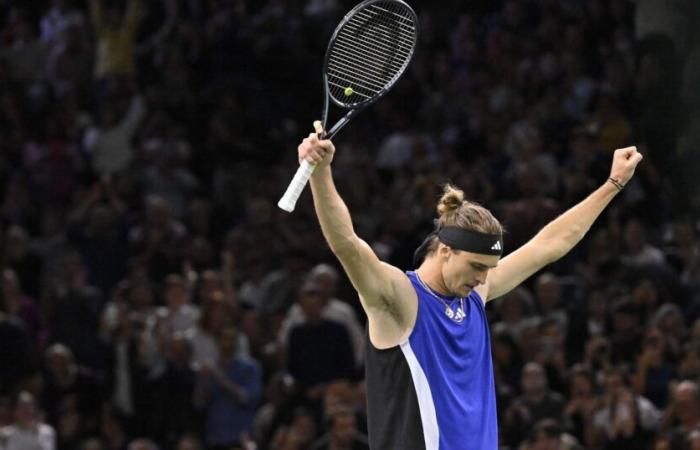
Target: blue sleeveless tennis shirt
(436, 390)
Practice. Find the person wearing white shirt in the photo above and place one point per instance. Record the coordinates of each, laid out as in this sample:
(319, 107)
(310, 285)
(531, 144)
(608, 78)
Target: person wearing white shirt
(27, 432)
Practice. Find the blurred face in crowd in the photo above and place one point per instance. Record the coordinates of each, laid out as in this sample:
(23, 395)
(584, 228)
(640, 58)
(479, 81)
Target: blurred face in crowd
(613, 383)
(326, 278)
(25, 410)
(512, 311)
(142, 444)
(175, 294)
(662, 443)
(694, 440)
(645, 293)
(545, 441)
(686, 400)
(343, 428)
(216, 313)
(689, 366)
(92, 444)
(16, 242)
(634, 236)
(58, 361)
(10, 284)
(210, 283)
(304, 428)
(625, 322)
(227, 341)
(338, 396)
(141, 296)
(672, 322)
(179, 351)
(654, 344)
(502, 352)
(597, 305)
(312, 303)
(533, 379)
(581, 386)
(188, 443)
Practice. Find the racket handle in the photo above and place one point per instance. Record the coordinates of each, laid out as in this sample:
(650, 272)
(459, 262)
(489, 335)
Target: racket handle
(290, 197)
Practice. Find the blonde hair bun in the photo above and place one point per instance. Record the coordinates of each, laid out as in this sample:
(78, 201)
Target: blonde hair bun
(451, 200)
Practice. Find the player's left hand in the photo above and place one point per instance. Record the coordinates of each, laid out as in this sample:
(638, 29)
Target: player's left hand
(624, 162)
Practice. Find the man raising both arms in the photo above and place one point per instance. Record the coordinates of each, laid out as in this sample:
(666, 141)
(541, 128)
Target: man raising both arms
(429, 377)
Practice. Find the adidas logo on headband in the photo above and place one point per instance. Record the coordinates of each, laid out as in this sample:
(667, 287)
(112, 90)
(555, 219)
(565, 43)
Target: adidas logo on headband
(496, 246)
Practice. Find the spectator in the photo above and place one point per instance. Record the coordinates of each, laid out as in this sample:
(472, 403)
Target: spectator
(626, 334)
(536, 403)
(177, 316)
(69, 387)
(624, 418)
(99, 231)
(683, 414)
(280, 393)
(583, 404)
(109, 143)
(69, 62)
(654, 372)
(20, 306)
(318, 350)
(27, 430)
(142, 444)
(169, 395)
(73, 307)
(343, 433)
(229, 392)
(189, 442)
(20, 257)
(326, 277)
(17, 354)
(116, 32)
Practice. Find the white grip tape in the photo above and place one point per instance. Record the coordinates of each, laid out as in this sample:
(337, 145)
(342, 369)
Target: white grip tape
(290, 197)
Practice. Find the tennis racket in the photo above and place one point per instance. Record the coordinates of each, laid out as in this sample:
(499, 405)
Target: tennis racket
(367, 53)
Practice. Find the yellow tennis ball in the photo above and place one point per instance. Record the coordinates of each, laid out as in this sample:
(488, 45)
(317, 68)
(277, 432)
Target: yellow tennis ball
(348, 91)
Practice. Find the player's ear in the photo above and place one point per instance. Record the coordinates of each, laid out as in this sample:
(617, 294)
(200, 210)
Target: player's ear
(443, 251)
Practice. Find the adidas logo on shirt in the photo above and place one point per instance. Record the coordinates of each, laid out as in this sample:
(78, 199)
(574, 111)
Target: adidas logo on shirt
(496, 246)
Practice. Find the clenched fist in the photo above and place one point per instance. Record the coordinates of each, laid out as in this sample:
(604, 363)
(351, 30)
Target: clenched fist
(316, 151)
(624, 162)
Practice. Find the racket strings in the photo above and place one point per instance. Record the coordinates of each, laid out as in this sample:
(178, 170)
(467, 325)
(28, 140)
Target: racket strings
(370, 51)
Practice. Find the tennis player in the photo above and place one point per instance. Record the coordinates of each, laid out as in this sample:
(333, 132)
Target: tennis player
(429, 376)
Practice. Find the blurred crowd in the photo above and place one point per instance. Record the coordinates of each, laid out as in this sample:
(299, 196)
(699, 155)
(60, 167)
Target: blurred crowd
(154, 297)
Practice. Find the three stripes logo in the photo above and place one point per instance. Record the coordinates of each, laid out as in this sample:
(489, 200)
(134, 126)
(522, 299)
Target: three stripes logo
(496, 246)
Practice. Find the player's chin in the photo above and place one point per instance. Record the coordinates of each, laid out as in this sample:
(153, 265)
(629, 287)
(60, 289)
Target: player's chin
(466, 289)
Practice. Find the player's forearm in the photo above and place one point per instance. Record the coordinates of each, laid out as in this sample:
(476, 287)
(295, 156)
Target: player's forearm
(333, 215)
(563, 233)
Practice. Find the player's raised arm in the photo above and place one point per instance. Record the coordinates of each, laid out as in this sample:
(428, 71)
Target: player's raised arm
(562, 234)
(384, 290)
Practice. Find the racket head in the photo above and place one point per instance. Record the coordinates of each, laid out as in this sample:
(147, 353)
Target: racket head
(368, 52)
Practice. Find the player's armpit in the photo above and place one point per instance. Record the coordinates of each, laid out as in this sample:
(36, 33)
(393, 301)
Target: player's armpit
(382, 287)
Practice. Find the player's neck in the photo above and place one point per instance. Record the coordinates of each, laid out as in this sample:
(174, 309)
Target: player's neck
(431, 274)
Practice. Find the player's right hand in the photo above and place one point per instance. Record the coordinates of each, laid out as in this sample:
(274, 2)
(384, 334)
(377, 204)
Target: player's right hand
(316, 151)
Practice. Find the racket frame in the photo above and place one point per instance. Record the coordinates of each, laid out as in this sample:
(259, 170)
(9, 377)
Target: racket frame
(305, 170)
